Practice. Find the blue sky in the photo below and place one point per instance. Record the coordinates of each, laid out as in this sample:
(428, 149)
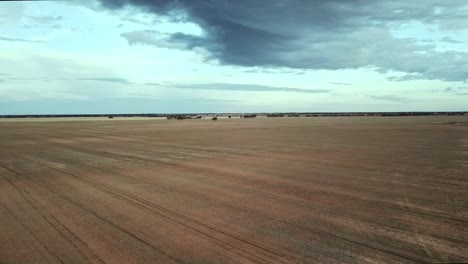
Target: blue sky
(64, 57)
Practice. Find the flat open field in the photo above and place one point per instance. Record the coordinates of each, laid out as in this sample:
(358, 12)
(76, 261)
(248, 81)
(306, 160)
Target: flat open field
(285, 190)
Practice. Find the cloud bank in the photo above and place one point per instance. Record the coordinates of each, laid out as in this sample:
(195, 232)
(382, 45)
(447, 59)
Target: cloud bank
(3, 38)
(392, 98)
(243, 87)
(312, 34)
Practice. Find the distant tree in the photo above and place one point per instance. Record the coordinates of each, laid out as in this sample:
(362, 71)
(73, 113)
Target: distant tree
(275, 115)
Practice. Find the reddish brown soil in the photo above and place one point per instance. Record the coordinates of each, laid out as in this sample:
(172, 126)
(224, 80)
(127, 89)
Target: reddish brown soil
(286, 190)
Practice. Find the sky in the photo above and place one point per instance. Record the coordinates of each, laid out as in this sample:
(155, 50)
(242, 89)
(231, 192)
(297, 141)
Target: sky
(186, 56)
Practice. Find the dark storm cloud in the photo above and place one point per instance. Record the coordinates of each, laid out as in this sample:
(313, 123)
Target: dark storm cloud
(139, 21)
(242, 87)
(152, 37)
(311, 34)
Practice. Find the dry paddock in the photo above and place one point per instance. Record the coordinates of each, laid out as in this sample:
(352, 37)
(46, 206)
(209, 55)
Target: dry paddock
(276, 190)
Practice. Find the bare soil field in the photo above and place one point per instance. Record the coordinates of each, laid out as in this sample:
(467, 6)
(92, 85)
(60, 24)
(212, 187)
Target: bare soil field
(283, 190)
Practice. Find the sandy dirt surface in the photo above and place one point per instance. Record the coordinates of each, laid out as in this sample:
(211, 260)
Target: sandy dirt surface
(276, 190)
